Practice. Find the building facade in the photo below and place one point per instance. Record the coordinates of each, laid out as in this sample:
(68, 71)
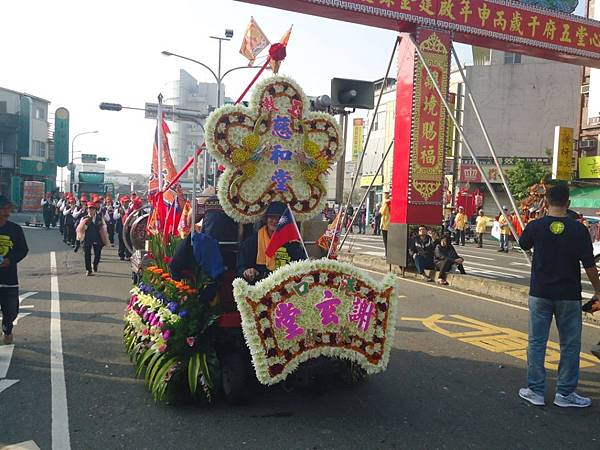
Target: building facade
(521, 100)
(26, 152)
(188, 93)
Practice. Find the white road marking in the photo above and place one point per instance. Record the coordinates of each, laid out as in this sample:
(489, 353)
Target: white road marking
(26, 445)
(26, 295)
(466, 294)
(20, 316)
(60, 414)
(481, 257)
(6, 352)
(5, 384)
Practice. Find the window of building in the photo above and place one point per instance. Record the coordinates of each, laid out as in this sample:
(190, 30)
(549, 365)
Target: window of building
(3, 107)
(512, 58)
(40, 113)
(39, 149)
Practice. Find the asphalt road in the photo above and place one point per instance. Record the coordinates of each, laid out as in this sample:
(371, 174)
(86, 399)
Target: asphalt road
(451, 383)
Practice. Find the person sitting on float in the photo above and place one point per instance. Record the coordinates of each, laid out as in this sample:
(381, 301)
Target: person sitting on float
(253, 263)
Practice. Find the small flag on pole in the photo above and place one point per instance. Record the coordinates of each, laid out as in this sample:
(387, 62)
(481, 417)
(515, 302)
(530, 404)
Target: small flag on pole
(287, 231)
(254, 42)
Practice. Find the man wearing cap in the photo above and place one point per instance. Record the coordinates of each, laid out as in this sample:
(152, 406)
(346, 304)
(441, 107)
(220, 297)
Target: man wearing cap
(91, 232)
(253, 263)
(504, 230)
(13, 248)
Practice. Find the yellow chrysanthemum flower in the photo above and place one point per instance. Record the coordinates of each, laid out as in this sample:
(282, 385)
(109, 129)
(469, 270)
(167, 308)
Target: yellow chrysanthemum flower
(311, 149)
(239, 156)
(249, 170)
(322, 165)
(310, 175)
(250, 142)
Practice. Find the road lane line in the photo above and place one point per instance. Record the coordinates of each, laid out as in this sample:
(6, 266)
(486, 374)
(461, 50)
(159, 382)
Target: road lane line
(489, 300)
(6, 352)
(26, 295)
(60, 415)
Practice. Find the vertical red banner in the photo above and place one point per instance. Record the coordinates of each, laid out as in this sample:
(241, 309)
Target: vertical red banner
(421, 126)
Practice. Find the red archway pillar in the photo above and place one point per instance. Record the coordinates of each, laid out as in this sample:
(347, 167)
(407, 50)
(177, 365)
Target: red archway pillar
(420, 138)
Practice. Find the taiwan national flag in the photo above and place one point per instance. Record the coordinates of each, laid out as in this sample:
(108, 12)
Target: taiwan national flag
(287, 231)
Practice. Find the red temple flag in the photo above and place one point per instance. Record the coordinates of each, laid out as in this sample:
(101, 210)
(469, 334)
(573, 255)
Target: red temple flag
(287, 231)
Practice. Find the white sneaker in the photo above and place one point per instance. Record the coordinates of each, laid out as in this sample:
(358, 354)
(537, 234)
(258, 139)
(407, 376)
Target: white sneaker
(573, 400)
(532, 397)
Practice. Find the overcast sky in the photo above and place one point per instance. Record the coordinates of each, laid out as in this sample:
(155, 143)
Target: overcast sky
(78, 54)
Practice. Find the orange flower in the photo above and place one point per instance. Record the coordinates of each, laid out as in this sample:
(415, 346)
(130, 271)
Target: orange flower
(165, 276)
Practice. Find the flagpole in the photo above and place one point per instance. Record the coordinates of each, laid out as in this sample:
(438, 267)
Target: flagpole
(159, 141)
(298, 230)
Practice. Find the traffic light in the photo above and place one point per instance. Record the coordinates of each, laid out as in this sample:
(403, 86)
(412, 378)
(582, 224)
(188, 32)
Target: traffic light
(352, 93)
(111, 106)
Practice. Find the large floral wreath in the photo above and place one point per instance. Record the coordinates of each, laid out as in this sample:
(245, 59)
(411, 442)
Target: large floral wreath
(273, 150)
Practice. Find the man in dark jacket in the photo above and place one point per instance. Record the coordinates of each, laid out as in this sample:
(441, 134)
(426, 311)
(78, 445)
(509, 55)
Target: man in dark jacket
(13, 248)
(421, 249)
(445, 257)
(253, 264)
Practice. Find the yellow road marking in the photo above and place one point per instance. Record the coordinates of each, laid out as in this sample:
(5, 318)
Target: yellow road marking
(493, 338)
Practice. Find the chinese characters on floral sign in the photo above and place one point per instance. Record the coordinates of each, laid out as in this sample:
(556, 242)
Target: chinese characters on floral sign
(273, 150)
(313, 308)
(429, 121)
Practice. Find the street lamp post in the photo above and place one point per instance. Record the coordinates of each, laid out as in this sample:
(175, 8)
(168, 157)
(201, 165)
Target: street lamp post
(73, 154)
(219, 80)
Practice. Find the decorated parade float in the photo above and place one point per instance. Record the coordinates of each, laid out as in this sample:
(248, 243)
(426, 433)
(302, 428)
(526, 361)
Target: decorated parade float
(209, 331)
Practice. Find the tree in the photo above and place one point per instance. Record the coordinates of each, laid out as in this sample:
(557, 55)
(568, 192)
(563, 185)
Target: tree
(524, 175)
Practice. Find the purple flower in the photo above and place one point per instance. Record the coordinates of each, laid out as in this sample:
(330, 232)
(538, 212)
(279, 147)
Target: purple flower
(183, 313)
(166, 334)
(145, 316)
(172, 306)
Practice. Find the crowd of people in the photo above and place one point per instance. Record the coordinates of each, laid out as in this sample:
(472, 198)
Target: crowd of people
(91, 222)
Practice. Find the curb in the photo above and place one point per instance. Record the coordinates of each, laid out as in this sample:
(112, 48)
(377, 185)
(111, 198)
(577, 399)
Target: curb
(499, 290)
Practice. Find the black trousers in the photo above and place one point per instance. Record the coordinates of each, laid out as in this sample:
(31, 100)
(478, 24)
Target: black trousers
(460, 236)
(69, 233)
(9, 303)
(445, 266)
(384, 234)
(47, 218)
(61, 223)
(87, 255)
(123, 252)
(110, 228)
(480, 240)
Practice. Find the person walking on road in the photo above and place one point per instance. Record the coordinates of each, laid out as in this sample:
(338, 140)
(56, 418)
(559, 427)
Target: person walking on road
(460, 225)
(385, 219)
(377, 220)
(421, 249)
(91, 232)
(504, 230)
(13, 248)
(559, 244)
(481, 223)
(48, 210)
(445, 257)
